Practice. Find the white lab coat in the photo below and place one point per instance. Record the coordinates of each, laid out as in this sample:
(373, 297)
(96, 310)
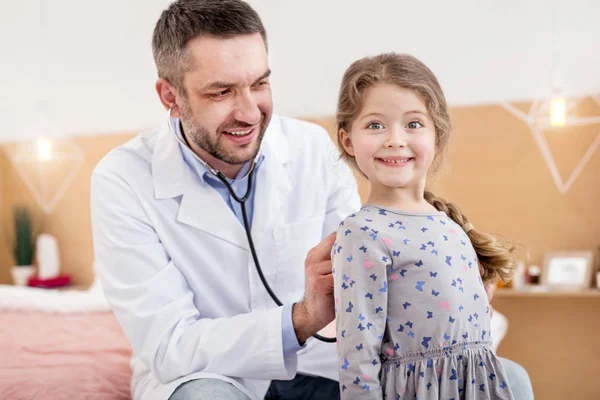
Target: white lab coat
(176, 268)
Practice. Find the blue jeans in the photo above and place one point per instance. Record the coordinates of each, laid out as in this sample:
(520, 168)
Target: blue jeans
(304, 387)
(301, 387)
(518, 380)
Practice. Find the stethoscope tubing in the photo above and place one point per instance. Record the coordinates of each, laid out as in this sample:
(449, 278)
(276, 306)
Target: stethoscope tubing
(242, 201)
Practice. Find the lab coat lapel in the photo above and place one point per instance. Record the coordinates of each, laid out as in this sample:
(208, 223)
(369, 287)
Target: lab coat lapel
(201, 206)
(274, 184)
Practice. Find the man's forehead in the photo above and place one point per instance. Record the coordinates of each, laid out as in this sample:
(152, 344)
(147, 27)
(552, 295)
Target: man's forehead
(235, 59)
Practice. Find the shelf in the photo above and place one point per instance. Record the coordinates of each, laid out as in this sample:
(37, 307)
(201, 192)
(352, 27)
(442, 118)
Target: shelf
(73, 288)
(540, 292)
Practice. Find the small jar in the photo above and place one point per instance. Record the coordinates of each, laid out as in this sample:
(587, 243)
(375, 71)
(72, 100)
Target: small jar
(534, 274)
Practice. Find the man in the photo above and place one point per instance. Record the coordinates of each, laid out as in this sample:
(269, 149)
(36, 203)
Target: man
(169, 237)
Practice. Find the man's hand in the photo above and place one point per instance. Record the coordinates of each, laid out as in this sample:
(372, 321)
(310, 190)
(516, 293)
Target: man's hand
(316, 309)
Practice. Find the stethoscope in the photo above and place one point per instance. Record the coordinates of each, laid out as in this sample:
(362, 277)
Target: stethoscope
(242, 201)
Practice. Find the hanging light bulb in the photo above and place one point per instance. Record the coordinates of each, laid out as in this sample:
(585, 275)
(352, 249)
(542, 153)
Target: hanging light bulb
(558, 111)
(44, 149)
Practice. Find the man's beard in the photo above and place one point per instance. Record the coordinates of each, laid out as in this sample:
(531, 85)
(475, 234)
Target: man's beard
(201, 137)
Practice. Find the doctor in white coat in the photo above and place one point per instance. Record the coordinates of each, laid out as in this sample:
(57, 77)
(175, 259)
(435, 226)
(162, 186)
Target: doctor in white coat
(172, 254)
(170, 245)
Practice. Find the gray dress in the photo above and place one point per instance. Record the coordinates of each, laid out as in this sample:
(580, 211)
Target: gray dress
(412, 315)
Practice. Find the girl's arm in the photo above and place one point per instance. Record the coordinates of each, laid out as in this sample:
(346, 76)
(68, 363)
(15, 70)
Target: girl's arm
(360, 261)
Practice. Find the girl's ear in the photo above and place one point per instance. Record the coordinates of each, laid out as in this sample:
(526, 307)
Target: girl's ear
(346, 141)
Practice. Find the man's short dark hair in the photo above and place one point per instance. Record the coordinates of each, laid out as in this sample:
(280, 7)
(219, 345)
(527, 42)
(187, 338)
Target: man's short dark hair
(186, 19)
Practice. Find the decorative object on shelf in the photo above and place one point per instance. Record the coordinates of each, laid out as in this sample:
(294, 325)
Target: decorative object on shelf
(568, 270)
(50, 283)
(48, 262)
(533, 274)
(47, 256)
(518, 280)
(23, 246)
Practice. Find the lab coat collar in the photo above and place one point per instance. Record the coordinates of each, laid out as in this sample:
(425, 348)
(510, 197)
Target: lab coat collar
(172, 177)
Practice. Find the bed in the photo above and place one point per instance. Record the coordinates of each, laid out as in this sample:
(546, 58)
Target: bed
(61, 345)
(68, 345)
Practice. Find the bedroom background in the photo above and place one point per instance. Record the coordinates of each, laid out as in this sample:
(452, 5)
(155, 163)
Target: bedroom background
(485, 54)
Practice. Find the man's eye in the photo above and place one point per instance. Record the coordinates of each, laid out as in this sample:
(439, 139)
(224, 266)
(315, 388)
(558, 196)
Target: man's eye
(220, 94)
(414, 125)
(375, 125)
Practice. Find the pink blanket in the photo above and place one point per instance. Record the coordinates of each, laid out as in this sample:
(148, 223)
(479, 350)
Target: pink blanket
(63, 356)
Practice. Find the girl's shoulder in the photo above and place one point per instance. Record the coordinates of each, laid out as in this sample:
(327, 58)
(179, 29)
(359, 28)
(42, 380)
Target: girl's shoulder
(368, 223)
(367, 215)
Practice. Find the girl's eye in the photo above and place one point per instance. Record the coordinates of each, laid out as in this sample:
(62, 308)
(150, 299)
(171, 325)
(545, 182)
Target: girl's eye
(414, 125)
(375, 125)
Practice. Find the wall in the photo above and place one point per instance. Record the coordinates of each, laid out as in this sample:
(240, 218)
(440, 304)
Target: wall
(5, 258)
(101, 80)
(493, 170)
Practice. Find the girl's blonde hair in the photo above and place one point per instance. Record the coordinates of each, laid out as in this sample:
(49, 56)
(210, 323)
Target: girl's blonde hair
(407, 72)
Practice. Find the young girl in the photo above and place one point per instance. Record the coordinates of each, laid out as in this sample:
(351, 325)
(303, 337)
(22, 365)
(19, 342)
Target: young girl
(413, 319)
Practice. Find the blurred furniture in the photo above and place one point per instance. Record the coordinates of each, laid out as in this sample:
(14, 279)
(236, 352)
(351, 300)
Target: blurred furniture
(554, 336)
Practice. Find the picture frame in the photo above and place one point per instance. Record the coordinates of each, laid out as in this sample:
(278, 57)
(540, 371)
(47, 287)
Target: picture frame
(568, 270)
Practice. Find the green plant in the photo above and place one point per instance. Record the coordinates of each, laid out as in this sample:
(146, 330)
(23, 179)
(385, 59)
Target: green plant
(24, 243)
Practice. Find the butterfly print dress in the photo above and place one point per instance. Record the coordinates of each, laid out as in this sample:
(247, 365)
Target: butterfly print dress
(412, 315)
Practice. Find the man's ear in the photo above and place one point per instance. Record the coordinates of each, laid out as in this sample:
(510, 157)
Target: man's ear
(346, 141)
(168, 96)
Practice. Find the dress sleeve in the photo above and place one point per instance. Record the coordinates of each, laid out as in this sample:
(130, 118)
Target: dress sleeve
(360, 263)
